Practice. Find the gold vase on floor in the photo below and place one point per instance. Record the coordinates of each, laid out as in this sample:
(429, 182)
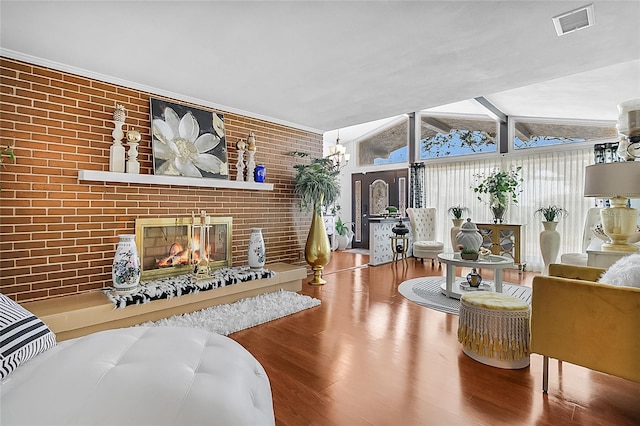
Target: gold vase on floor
(317, 251)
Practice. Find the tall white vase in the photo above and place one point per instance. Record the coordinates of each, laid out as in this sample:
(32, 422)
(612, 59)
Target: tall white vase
(256, 250)
(454, 231)
(126, 265)
(549, 244)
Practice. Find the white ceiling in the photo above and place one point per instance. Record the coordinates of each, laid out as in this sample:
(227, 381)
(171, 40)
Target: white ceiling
(326, 65)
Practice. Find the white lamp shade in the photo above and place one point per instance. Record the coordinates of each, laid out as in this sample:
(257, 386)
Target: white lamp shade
(607, 180)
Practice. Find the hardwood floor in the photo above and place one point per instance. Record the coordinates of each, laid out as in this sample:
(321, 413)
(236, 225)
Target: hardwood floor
(368, 356)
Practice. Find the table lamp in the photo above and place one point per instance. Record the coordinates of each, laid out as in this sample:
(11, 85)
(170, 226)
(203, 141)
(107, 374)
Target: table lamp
(617, 182)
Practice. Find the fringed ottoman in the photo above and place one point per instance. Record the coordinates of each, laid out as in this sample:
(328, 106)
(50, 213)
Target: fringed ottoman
(494, 329)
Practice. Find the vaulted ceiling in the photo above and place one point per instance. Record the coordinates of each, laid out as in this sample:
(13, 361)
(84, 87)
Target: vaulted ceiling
(325, 65)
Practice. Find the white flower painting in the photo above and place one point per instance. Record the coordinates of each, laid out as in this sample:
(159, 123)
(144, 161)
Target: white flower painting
(188, 141)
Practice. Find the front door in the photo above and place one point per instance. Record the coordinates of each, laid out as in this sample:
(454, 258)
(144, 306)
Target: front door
(371, 193)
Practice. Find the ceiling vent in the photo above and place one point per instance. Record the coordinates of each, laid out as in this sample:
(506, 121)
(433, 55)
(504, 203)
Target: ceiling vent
(574, 20)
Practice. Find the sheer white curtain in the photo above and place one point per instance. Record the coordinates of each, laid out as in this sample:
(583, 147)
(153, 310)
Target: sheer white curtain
(555, 177)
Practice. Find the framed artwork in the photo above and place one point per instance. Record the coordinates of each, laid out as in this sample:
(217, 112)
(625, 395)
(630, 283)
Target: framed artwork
(187, 141)
(172, 246)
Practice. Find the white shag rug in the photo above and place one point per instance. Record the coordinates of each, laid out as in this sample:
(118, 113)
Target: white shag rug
(245, 313)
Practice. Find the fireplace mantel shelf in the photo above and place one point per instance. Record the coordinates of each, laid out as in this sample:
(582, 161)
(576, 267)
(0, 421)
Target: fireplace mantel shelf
(93, 175)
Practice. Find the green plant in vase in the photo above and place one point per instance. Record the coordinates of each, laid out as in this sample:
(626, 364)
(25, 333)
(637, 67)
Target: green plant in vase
(501, 187)
(317, 186)
(456, 212)
(468, 253)
(549, 237)
(344, 233)
(550, 213)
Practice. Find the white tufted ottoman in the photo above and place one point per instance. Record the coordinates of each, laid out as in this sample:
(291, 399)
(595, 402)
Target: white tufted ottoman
(427, 249)
(140, 376)
(494, 329)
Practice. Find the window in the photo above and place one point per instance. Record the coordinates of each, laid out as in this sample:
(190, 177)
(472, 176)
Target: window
(450, 135)
(534, 133)
(385, 145)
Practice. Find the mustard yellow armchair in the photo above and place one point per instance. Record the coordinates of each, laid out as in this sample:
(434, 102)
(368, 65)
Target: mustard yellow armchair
(577, 320)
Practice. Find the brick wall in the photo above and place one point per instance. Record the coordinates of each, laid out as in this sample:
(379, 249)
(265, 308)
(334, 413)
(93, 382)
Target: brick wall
(58, 235)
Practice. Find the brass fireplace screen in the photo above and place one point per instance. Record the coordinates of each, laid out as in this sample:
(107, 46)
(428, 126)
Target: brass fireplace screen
(172, 246)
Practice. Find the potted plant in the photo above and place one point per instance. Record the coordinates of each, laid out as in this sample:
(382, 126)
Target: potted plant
(344, 233)
(550, 213)
(456, 212)
(549, 237)
(468, 253)
(501, 187)
(317, 185)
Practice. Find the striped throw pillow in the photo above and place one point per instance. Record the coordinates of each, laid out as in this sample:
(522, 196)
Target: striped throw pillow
(22, 335)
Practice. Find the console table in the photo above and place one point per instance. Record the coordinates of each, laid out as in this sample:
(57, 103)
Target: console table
(379, 232)
(503, 240)
(604, 259)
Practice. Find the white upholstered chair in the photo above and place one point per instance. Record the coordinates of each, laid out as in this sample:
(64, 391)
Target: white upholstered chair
(589, 240)
(423, 232)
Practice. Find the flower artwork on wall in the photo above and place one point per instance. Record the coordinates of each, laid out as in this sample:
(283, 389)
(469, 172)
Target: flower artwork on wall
(188, 141)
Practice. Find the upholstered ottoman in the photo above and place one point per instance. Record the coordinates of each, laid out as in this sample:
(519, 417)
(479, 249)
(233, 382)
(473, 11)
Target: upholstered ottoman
(140, 376)
(494, 329)
(427, 249)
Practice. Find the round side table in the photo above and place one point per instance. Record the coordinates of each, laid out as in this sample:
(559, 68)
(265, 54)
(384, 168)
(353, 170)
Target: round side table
(399, 246)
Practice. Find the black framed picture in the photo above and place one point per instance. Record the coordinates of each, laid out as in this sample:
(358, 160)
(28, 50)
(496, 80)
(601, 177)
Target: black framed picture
(188, 141)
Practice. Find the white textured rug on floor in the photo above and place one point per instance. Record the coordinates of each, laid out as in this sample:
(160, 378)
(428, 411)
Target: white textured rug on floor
(245, 313)
(425, 291)
(357, 251)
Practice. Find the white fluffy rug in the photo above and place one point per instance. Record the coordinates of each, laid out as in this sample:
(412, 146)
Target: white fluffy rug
(245, 313)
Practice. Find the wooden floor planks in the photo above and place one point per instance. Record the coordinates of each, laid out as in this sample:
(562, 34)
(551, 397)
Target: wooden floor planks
(368, 356)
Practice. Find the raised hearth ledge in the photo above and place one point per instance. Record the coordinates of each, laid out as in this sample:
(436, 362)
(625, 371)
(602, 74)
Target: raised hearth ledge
(81, 314)
(93, 175)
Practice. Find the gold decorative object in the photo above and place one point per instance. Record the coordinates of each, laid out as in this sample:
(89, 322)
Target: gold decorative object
(317, 251)
(251, 142)
(133, 139)
(171, 246)
(251, 151)
(133, 136)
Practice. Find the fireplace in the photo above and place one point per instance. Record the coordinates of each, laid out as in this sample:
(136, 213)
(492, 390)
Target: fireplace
(172, 246)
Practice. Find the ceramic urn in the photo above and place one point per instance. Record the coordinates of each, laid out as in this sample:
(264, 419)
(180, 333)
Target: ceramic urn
(469, 237)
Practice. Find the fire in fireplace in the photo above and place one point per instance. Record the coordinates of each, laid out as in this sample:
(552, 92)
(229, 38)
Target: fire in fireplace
(171, 246)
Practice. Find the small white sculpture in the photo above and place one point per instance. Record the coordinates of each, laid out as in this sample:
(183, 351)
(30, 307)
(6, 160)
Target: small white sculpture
(133, 139)
(251, 150)
(241, 145)
(117, 151)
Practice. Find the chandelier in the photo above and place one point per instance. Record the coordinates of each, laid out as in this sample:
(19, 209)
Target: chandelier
(338, 154)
